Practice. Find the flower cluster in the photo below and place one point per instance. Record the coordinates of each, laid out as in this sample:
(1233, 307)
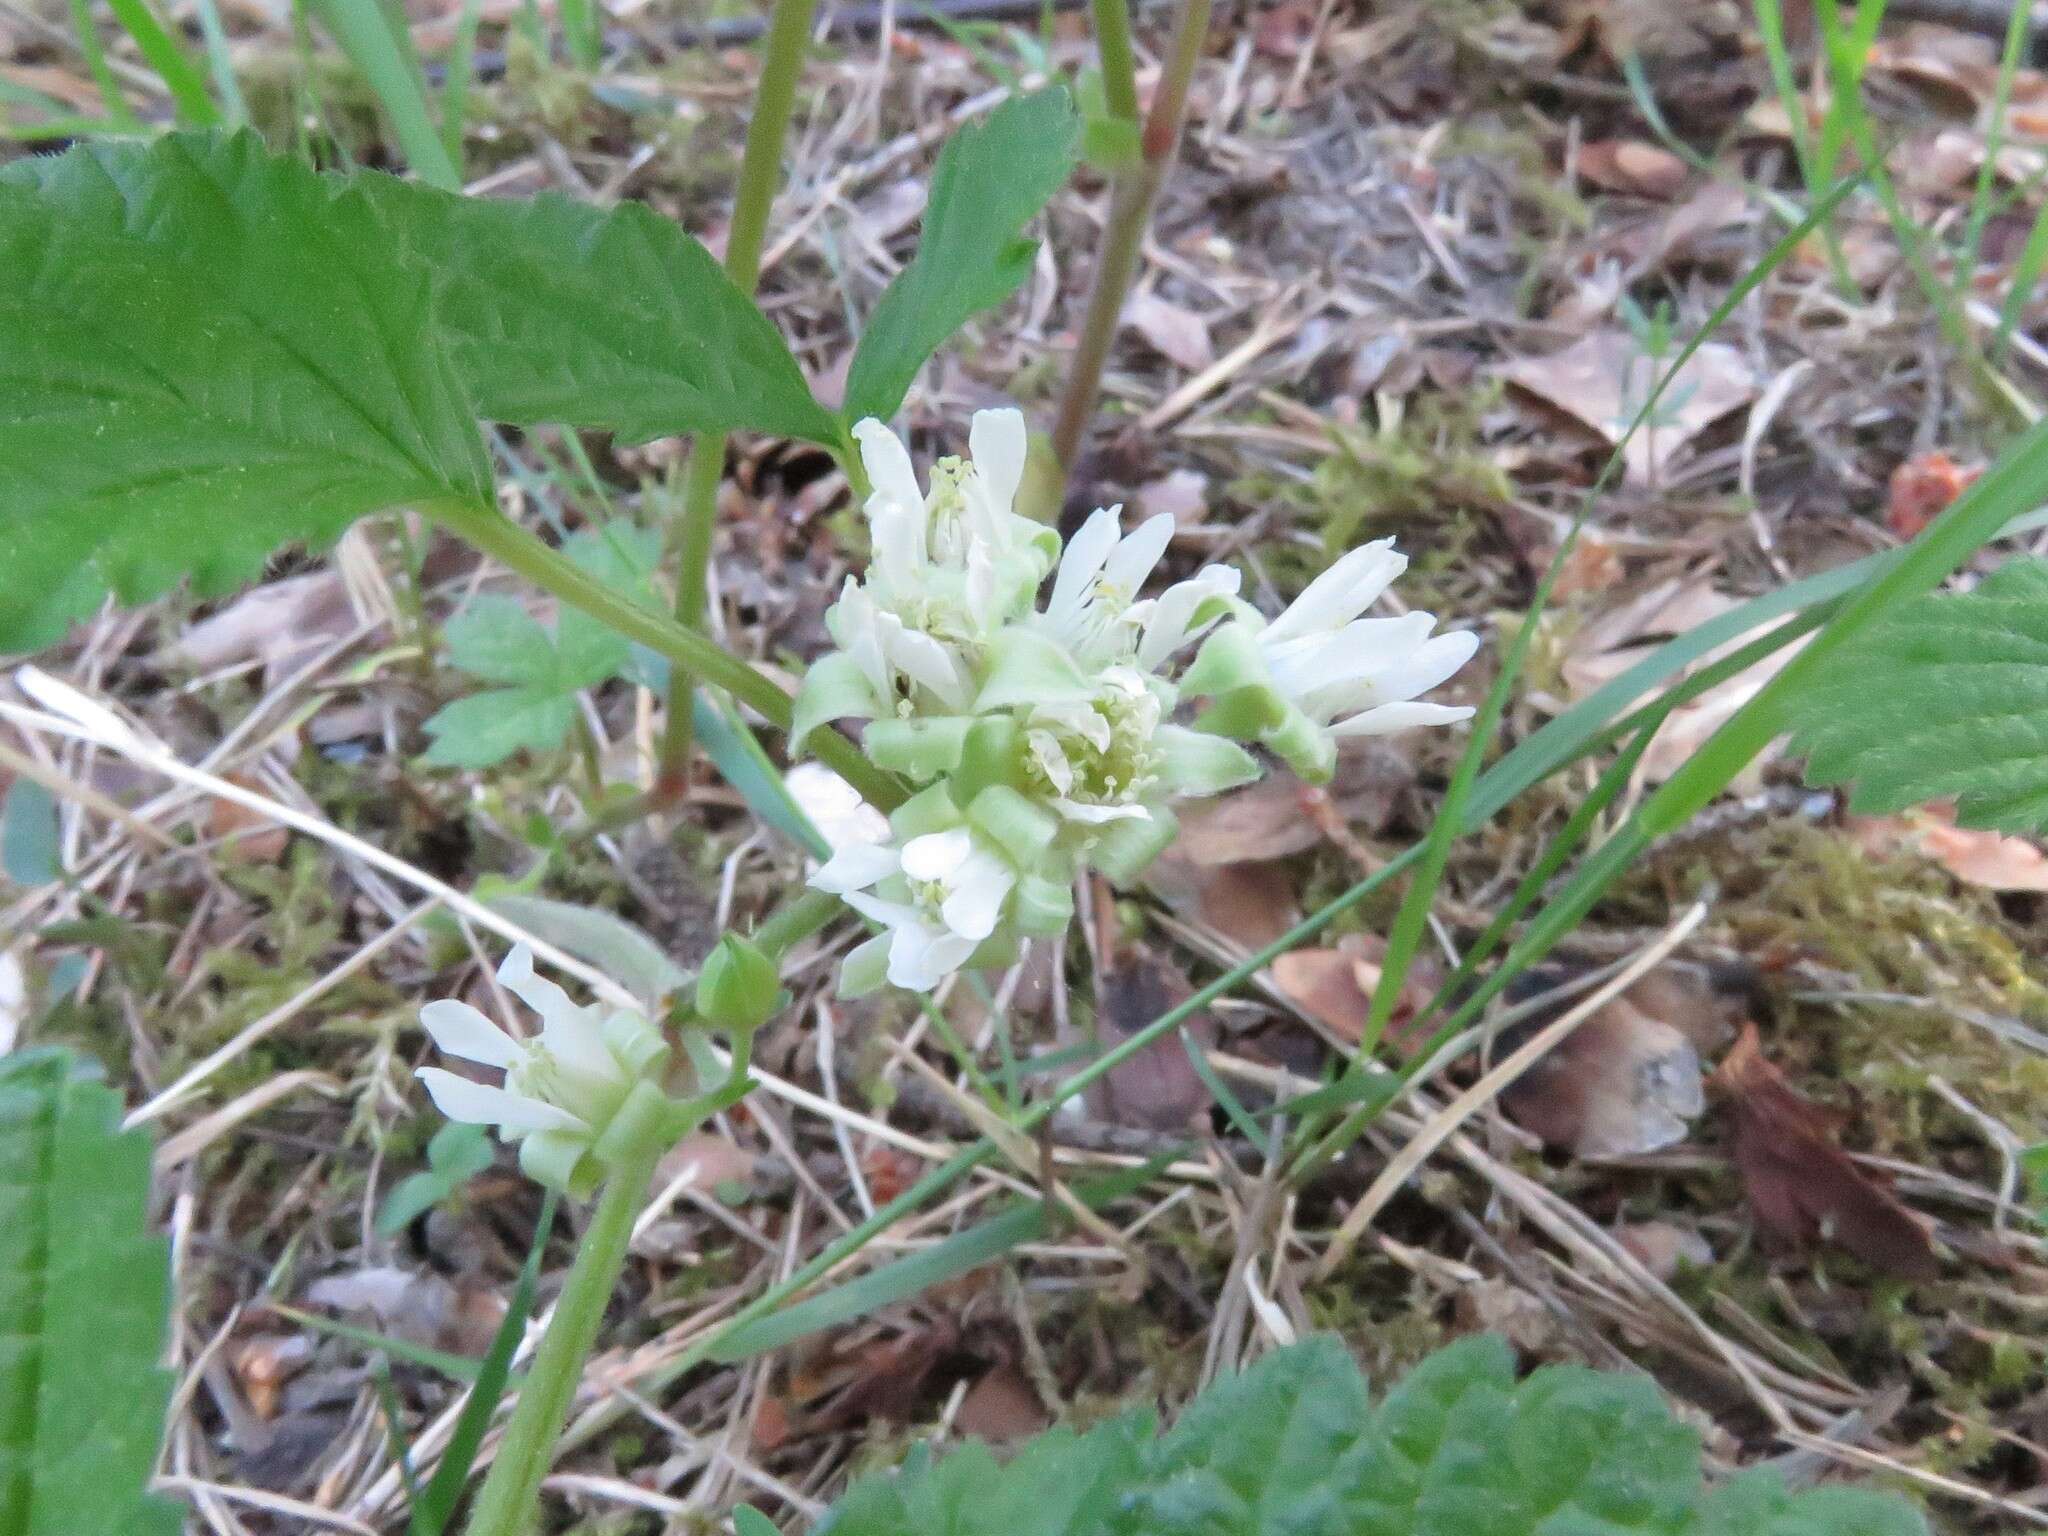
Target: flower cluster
(1042, 740)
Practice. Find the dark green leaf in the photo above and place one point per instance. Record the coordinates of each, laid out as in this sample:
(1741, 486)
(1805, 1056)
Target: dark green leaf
(206, 351)
(1947, 696)
(84, 1296)
(992, 179)
(559, 312)
(1295, 1447)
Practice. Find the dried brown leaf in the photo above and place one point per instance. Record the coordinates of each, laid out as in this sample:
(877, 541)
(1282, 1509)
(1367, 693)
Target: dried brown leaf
(1177, 334)
(1802, 1186)
(1270, 819)
(1630, 165)
(1603, 379)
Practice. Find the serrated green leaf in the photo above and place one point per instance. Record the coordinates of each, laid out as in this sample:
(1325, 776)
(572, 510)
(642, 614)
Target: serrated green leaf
(992, 179)
(486, 728)
(1294, 1447)
(84, 1296)
(556, 311)
(1946, 697)
(497, 639)
(207, 351)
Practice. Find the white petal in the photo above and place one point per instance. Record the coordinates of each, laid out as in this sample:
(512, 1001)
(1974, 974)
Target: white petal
(1168, 620)
(1364, 648)
(997, 441)
(890, 914)
(888, 465)
(1133, 559)
(1389, 718)
(924, 660)
(1425, 667)
(480, 1104)
(855, 868)
(1081, 563)
(537, 992)
(1097, 815)
(899, 543)
(973, 906)
(459, 1030)
(921, 957)
(938, 855)
(1342, 592)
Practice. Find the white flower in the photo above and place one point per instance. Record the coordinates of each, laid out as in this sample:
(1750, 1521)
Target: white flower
(1356, 676)
(938, 898)
(561, 1087)
(961, 548)
(1094, 609)
(1094, 760)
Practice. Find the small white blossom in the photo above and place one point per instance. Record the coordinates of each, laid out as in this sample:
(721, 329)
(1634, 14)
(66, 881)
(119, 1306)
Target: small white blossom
(938, 900)
(1356, 676)
(561, 1088)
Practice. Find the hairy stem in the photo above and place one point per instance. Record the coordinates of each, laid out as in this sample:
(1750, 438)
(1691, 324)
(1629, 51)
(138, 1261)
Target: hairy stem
(1130, 212)
(687, 650)
(508, 1502)
(789, 30)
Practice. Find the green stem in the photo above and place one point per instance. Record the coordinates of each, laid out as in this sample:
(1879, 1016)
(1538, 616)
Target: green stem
(510, 1496)
(518, 550)
(1119, 62)
(782, 64)
(1130, 212)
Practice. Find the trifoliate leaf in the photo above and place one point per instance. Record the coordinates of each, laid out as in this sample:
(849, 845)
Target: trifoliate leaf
(495, 638)
(207, 352)
(556, 311)
(1948, 696)
(992, 179)
(1295, 1447)
(84, 1296)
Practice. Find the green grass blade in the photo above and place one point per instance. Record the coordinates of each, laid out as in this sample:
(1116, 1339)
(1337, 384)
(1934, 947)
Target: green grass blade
(379, 45)
(431, 1515)
(166, 55)
(455, 91)
(1982, 195)
(228, 90)
(583, 29)
(95, 53)
(1404, 940)
(1025, 1221)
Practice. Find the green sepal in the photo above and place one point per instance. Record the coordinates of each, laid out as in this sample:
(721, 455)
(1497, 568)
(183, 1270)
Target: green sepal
(1262, 715)
(739, 987)
(642, 1118)
(1123, 848)
(638, 1046)
(994, 755)
(561, 1160)
(920, 750)
(834, 688)
(1018, 825)
(929, 810)
(1042, 907)
(1200, 762)
(865, 968)
(1228, 661)
(1026, 667)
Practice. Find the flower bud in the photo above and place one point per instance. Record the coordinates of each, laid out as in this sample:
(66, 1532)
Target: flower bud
(739, 988)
